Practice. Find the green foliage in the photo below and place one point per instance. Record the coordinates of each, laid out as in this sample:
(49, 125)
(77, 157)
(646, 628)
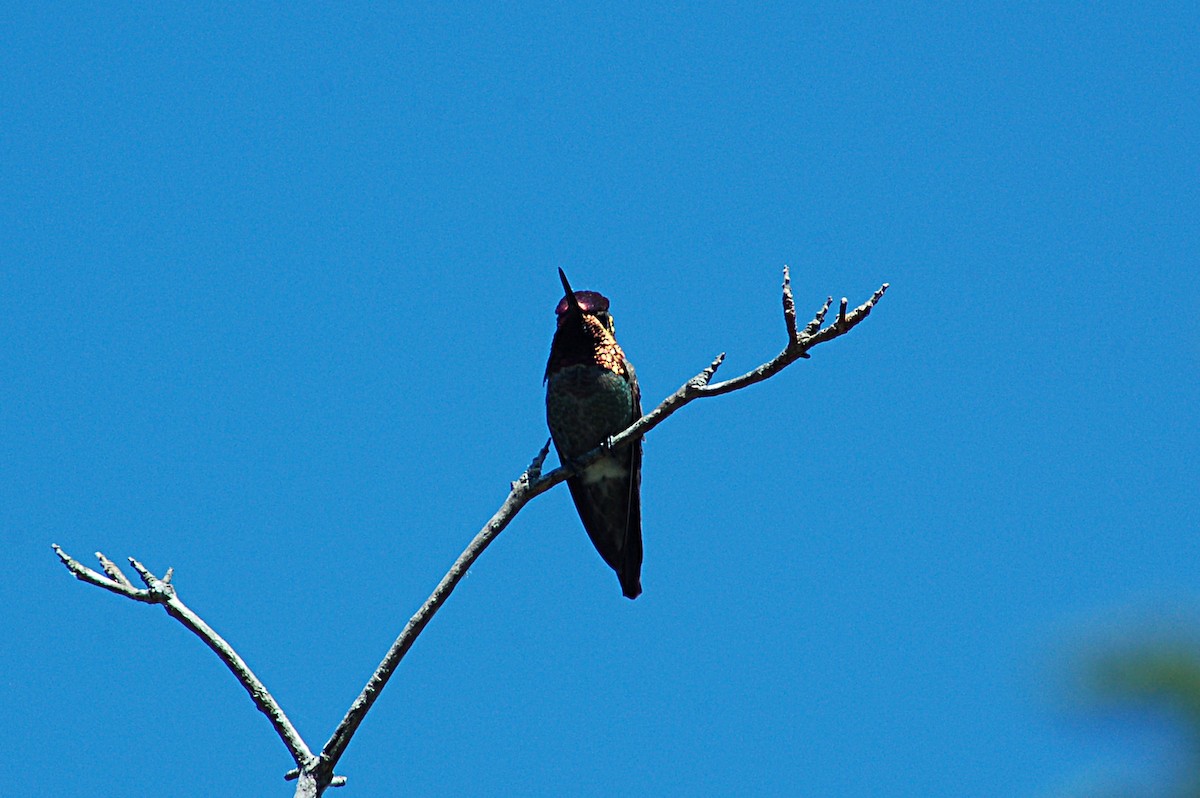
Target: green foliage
(1157, 677)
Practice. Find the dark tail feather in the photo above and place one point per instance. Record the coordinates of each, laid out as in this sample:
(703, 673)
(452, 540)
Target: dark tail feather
(631, 584)
(630, 572)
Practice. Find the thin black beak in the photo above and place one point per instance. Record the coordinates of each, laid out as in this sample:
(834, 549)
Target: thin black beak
(572, 302)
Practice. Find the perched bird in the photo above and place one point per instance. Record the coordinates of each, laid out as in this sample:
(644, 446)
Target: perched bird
(592, 394)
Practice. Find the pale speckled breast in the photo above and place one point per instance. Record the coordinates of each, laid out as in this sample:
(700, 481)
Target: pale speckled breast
(585, 404)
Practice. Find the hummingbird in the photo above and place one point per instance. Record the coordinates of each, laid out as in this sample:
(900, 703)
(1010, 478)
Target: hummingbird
(592, 394)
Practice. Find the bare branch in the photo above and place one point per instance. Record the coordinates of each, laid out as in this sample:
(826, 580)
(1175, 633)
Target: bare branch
(116, 582)
(818, 319)
(315, 773)
(531, 484)
(308, 782)
(789, 305)
(144, 573)
(535, 467)
(852, 319)
(111, 569)
(160, 591)
(705, 377)
(525, 488)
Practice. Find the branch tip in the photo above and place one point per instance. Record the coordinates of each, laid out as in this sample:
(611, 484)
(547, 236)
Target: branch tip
(789, 305)
(534, 472)
(712, 367)
(143, 572)
(813, 326)
(114, 573)
(705, 377)
(865, 308)
(841, 322)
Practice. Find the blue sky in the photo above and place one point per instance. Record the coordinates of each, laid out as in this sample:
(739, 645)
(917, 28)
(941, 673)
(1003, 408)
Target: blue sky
(276, 296)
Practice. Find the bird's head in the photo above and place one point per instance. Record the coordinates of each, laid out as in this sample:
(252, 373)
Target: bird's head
(575, 306)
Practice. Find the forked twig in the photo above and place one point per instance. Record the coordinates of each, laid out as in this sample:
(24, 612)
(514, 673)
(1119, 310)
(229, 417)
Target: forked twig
(162, 592)
(315, 772)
